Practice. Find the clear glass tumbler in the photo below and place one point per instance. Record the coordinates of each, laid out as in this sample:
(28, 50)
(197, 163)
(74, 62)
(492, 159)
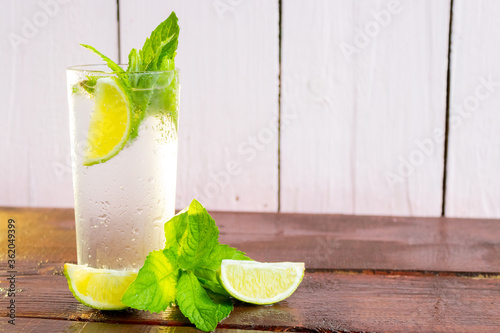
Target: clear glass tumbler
(124, 159)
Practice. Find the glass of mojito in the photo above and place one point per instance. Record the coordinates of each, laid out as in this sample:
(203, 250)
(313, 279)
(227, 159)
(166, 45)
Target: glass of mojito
(124, 159)
(123, 125)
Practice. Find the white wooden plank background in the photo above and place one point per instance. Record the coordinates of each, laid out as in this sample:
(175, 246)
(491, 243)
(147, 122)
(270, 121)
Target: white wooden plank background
(35, 167)
(360, 133)
(358, 116)
(228, 55)
(473, 177)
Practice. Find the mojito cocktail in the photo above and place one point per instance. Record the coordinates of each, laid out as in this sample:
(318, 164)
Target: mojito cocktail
(124, 157)
(123, 121)
(124, 164)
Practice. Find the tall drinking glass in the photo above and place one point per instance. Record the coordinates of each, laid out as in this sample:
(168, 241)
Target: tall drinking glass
(124, 160)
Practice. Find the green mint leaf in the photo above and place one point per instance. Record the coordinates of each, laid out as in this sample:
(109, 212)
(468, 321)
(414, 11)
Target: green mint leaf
(160, 91)
(161, 44)
(167, 64)
(134, 66)
(88, 85)
(111, 64)
(200, 237)
(196, 304)
(165, 59)
(208, 268)
(175, 229)
(219, 253)
(154, 289)
(165, 95)
(212, 284)
(195, 235)
(134, 61)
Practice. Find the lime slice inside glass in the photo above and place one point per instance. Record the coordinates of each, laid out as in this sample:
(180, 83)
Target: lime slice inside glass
(110, 122)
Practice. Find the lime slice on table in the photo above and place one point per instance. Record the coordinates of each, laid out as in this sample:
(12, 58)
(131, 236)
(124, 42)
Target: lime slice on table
(98, 288)
(110, 122)
(260, 283)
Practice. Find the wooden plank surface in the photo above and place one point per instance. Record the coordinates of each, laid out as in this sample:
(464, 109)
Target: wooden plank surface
(39, 40)
(395, 293)
(36, 325)
(46, 239)
(473, 184)
(325, 301)
(363, 100)
(228, 132)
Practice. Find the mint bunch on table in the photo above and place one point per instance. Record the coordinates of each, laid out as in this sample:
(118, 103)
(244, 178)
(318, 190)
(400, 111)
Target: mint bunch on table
(185, 272)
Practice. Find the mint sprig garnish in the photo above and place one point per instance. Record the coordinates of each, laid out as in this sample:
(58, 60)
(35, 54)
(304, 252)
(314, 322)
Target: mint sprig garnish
(157, 53)
(149, 79)
(185, 272)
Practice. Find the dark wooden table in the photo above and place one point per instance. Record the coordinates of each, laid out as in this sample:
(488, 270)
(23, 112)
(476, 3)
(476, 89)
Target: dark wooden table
(364, 274)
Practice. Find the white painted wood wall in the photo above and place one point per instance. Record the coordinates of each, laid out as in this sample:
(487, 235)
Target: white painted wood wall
(363, 101)
(473, 174)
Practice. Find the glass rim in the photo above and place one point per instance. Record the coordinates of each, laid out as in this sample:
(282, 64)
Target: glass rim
(104, 69)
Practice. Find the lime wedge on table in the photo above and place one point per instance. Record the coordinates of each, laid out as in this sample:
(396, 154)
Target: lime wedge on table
(109, 128)
(98, 288)
(260, 283)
